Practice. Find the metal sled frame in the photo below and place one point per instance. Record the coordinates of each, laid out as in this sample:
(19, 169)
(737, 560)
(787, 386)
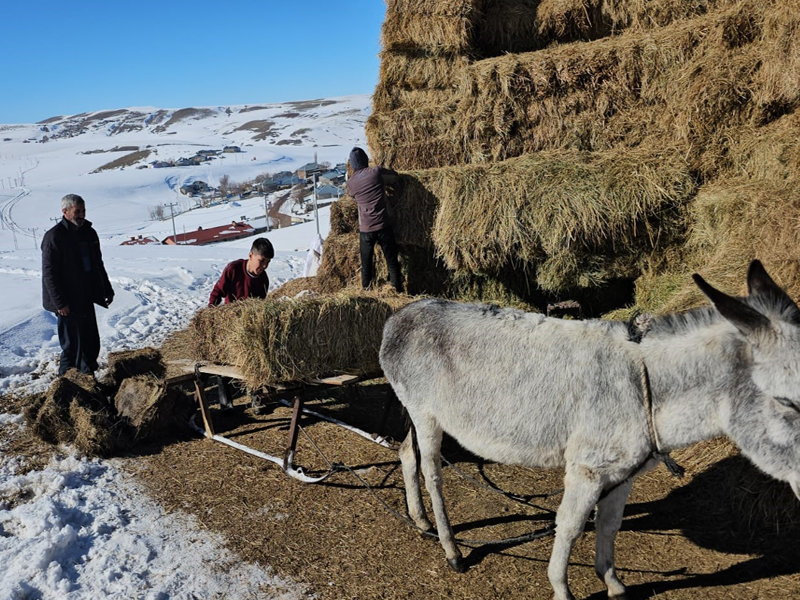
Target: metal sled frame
(200, 372)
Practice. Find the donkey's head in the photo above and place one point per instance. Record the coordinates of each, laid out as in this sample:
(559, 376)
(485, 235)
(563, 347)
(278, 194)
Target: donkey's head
(765, 415)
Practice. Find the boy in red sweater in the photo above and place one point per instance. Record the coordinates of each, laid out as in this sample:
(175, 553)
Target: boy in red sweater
(245, 278)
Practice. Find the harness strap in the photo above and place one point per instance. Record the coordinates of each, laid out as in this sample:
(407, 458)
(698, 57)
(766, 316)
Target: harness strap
(637, 329)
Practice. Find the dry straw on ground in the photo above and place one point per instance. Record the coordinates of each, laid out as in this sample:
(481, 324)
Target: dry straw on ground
(273, 341)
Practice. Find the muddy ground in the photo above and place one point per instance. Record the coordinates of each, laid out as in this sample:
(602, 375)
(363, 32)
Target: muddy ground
(702, 537)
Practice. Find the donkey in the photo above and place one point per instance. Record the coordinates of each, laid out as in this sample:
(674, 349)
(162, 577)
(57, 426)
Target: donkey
(520, 388)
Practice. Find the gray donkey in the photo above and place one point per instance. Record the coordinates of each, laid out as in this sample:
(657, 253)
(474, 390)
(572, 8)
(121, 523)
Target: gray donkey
(520, 388)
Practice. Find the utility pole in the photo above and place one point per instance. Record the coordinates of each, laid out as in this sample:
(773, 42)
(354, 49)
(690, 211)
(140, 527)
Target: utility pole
(172, 214)
(316, 212)
(33, 230)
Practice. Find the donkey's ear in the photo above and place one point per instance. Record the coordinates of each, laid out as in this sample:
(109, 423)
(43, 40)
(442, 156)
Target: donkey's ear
(759, 283)
(746, 319)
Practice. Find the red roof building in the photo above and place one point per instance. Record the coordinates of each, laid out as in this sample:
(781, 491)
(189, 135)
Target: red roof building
(201, 236)
(140, 241)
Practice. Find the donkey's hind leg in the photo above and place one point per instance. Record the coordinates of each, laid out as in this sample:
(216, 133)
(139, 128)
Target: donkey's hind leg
(429, 440)
(408, 458)
(607, 524)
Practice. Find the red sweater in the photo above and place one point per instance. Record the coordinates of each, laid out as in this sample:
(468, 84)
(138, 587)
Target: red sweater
(236, 284)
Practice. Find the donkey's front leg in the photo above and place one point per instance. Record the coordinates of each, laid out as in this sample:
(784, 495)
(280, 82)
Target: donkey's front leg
(607, 524)
(582, 488)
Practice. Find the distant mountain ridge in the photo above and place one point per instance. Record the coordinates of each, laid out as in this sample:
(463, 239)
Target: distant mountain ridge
(287, 123)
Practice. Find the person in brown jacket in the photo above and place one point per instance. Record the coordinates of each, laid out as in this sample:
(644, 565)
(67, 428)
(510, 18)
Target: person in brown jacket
(366, 186)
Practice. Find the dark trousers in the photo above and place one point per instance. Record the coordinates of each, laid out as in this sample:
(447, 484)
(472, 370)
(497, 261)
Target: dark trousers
(385, 239)
(79, 339)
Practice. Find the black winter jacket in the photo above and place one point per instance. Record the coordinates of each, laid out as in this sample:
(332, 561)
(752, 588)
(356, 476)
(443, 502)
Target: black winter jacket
(65, 279)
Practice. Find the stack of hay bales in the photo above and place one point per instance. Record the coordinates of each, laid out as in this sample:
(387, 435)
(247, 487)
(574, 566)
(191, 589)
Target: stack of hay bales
(579, 141)
(574, 143)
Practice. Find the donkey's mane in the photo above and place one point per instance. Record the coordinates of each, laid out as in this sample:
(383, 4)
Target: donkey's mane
(684, 322)
(774, 306)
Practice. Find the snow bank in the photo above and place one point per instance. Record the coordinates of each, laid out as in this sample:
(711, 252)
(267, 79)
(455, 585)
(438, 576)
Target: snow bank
(77, 529)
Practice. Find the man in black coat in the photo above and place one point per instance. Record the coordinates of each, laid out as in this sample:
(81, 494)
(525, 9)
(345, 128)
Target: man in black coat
(74, 279)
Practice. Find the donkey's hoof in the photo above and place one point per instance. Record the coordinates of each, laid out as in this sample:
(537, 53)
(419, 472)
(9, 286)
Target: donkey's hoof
(457, 564)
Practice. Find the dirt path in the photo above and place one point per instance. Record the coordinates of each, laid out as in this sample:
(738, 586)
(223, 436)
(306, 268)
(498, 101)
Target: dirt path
(679, 540)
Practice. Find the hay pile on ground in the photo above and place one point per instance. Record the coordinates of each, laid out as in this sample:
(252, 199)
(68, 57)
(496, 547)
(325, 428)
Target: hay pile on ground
(74, 411)
(108, 417)
(298, 339)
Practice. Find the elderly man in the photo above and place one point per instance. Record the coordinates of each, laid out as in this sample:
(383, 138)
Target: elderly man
(74, 279)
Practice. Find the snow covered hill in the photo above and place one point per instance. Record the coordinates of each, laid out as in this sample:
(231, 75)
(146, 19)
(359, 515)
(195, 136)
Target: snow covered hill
(158, 287)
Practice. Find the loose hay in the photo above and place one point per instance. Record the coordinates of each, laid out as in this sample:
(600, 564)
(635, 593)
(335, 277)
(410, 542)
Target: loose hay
(74, 414)
(296, 286)
(274, 341)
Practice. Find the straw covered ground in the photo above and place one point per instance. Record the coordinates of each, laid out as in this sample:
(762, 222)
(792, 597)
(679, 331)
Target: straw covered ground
(296, 339)
(715, 535)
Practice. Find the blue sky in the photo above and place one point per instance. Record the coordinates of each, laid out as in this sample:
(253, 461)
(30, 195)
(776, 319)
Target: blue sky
(64, 57)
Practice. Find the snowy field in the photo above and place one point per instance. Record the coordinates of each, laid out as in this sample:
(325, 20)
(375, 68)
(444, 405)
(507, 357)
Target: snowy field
(81, 530)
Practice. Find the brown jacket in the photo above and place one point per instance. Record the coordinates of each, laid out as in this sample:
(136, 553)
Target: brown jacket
(366, 186)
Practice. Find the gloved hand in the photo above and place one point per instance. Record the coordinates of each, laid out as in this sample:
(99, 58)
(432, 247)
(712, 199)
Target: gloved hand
(108, 300)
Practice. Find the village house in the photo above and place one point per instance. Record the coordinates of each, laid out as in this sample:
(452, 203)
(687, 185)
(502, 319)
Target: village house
(201, 237)
(328, 190)
(231, 149)
(140, 241)
(309, 169)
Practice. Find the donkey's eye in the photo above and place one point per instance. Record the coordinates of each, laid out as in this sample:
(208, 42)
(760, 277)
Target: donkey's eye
(787, 403)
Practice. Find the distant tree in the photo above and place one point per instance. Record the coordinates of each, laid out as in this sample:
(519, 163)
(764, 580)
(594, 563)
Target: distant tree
(157, 213)
(224, 185)
(297, 194)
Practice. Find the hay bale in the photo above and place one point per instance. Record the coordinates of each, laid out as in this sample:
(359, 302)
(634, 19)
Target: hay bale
(436, 27)
(130, 363)
(341, 262)
(274, 341)
(150, 410)
(595, 215)
(732, 222)
(344, 216)
(420, 70)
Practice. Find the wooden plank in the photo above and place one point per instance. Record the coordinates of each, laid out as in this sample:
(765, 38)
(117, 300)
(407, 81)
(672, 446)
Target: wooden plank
(337, 380)
(179, 379)
(201, 399)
